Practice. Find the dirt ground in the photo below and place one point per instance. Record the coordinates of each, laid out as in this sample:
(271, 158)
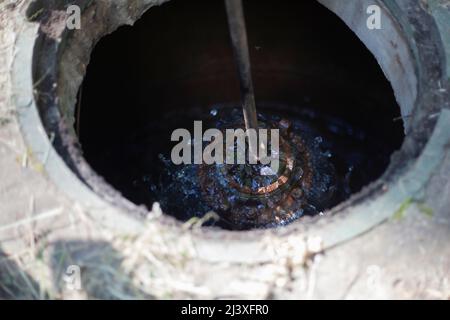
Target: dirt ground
(43, 231)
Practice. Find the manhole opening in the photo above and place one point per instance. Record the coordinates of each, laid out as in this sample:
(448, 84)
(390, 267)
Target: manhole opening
(175, 65)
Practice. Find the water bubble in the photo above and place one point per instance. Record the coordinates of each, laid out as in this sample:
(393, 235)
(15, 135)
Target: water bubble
(328, 154)
(267, 171)
(299, 173)
(318, 140)
(164, 160)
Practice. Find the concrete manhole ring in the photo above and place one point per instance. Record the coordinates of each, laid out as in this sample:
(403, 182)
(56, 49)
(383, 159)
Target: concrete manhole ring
(51, 62)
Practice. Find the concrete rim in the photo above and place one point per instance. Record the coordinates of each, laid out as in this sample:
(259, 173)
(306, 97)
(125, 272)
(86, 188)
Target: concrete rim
(44, 44)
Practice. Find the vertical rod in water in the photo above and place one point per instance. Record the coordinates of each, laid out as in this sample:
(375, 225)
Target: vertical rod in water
(238, 32)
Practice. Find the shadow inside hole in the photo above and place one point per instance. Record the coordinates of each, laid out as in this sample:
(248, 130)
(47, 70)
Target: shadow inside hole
(175, 66)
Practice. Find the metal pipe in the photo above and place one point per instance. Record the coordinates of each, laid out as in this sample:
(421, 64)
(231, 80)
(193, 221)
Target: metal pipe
(238, 32)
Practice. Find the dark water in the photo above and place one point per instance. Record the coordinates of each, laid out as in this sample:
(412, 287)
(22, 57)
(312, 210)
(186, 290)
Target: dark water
(332, 160)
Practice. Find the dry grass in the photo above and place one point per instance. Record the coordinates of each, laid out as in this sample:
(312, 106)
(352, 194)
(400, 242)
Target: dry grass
(156, 264)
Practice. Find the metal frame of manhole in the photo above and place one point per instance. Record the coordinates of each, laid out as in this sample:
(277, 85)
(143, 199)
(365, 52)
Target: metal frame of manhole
(51, 61)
